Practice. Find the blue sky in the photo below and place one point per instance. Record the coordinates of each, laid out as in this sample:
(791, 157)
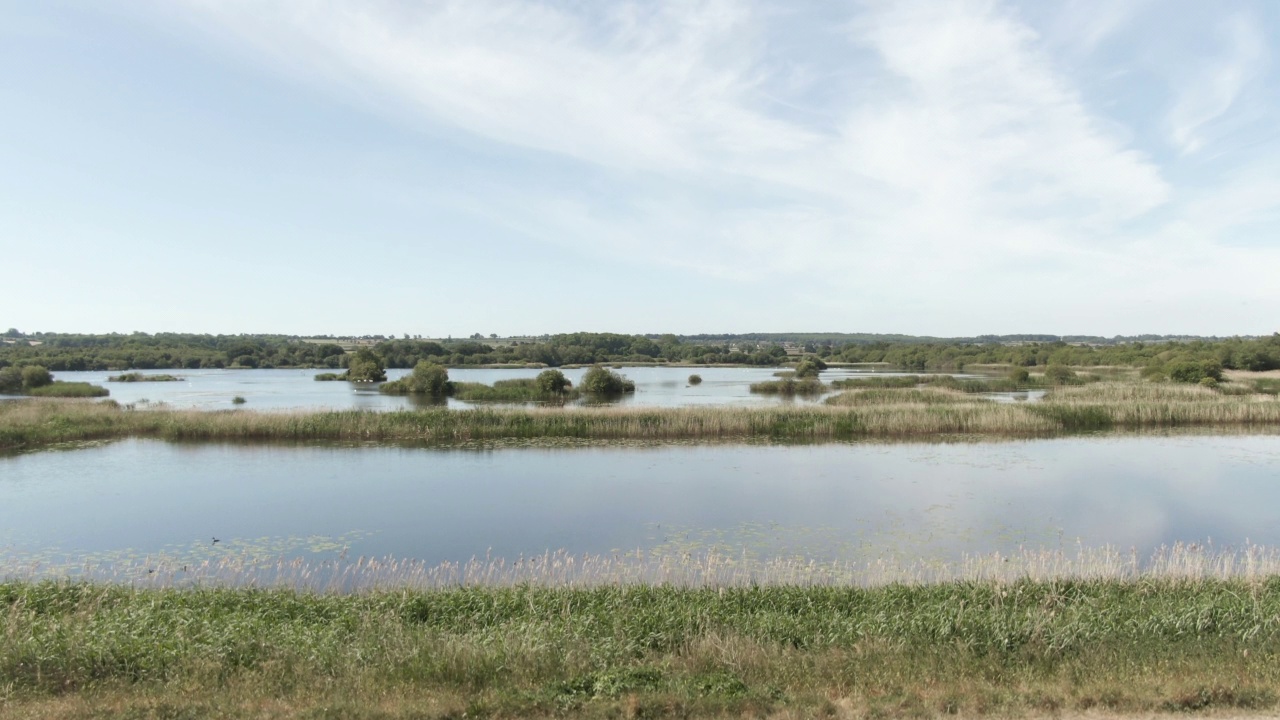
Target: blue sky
(443, 168)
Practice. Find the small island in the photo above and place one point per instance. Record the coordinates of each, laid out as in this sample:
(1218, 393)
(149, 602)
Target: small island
(37, 381)
(141, 377)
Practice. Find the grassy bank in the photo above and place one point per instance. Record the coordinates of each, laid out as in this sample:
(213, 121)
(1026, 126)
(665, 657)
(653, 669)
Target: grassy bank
(968, 648)
(878, 412)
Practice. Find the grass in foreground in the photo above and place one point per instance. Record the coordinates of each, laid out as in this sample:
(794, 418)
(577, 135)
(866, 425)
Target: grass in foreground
(968, 648)
(874, 413)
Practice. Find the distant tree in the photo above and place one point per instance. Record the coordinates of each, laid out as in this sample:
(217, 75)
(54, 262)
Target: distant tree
(603, 381)
(10, 380)
(429, 378)
(1019, 375)
(810, 368)
(695, 379)
(552, 382)
(365, 367)
(1059, 374)
(34, 376)
(13, 333)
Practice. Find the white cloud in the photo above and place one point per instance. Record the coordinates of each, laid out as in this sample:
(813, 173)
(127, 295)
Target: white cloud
(1214, 87)
(954, 157)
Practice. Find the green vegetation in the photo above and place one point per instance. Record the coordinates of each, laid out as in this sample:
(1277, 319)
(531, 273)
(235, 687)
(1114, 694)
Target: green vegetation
(166, 350)
(366, 366)
(238, 400)
(1096, 406)
(431, 380)
(59, 389)
(695, 379)
(426, 379)
(330, 377)
(38, 381)
(810, 367)
(143, 377)
(790, 386)
(964, 648)
(604, 382)
(142, 351)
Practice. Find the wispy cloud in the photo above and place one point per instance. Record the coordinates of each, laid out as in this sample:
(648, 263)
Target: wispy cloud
(941, 143)
(1217, 82)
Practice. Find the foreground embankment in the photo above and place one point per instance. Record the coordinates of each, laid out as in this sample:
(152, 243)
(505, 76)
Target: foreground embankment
(968, 648)
(871, 413)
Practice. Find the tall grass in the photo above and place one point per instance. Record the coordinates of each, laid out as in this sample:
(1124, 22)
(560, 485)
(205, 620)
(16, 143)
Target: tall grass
(882, 413)
(1159, 641)
(60, 389)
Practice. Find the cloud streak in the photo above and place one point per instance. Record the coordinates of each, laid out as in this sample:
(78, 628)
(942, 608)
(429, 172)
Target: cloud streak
(923, 145)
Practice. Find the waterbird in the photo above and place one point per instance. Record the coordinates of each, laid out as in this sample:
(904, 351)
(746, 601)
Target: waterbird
(215, 541)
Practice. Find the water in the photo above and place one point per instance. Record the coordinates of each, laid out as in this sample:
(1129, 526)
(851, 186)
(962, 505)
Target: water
(288, 389)
(141, 497)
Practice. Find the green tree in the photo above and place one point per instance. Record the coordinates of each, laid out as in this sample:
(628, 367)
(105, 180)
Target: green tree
(429, 378)
(603, 381)
(365, 367)
(1059, 374)
(810, 368)
(551, 382)
(34, 376)
(10, 380)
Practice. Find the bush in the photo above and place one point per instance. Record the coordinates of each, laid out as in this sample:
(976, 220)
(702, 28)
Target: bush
(1209, 382)
(366, 367)
(1191, 371)
(810, 368)
(34, 376)
(1059, 374)
(695, 379)
(429, 378)
(10, 380)
(552, 382)
(602, 381)
(238, 400)
(1020, 375)
(70, 390)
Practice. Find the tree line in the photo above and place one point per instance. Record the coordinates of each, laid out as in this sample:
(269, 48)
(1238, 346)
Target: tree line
(63, 352)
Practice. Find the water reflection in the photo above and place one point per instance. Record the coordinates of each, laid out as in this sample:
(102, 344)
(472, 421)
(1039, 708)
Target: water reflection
(846, 501)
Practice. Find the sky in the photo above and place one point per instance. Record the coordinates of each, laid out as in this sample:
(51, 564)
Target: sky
(443, 168)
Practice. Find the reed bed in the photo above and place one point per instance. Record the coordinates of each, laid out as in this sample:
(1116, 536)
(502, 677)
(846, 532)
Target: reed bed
(872, 413)
(1194, 629)
(1181, 562)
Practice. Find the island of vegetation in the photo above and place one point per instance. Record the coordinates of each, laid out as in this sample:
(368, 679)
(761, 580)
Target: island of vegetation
(143, 377)
(37, 381)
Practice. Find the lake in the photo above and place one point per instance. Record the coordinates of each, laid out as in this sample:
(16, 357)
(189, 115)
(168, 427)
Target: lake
(141, 497)
(297, 389)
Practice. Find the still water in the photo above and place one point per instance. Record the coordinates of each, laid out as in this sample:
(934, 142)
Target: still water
(140, 497)
(283, 389)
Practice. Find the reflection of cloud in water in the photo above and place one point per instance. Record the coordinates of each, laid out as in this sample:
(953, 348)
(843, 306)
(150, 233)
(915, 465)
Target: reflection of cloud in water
(865, 500)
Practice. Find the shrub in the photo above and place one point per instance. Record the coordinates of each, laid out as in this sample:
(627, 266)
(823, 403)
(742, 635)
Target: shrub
(695, 379)
(1019, 375)
(70, 390)
(603, 381)
(34, 376)
(1059, 374)
(552, 382)
(366, 367)
(10, 380)
(1191, 371)
(429, 378)
(1209, 382)
(810, 367)
(238, 400)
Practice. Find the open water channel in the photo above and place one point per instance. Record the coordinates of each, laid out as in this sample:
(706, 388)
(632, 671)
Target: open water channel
(136, 498)
(289, 389)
